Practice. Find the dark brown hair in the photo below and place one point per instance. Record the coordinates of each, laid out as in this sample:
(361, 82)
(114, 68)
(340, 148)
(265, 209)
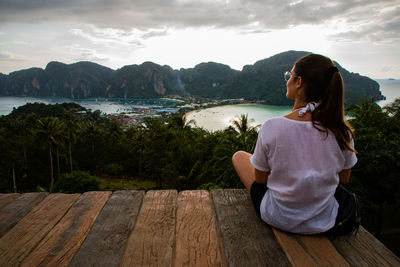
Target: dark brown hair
(324, 84)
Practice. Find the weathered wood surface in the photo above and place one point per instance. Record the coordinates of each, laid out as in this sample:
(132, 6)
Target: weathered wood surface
(151, 242)
(64, 240)
(15, 210)
(198, 241)
(303, 250)
(17, 243)
(246, 239)
(105, 243)
(365, 250)
(164, 228)
(6, 198)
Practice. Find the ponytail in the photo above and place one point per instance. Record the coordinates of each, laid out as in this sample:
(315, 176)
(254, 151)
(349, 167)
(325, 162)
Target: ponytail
(324, 85)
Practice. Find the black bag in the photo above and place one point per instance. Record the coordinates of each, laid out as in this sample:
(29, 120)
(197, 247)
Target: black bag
(349, 218)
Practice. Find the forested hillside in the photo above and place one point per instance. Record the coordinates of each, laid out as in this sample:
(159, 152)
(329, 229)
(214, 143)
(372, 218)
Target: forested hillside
(262, 81)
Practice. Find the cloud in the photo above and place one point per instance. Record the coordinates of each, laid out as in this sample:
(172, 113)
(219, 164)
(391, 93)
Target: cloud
(390, 68)
(127, 25)
(146, 14)
(154, 33)
(18, 42)
(112, 37)
(379, 27)
(7, 56)
(86, 54)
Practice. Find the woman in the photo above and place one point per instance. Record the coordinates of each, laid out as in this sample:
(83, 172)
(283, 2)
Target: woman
(300, 158)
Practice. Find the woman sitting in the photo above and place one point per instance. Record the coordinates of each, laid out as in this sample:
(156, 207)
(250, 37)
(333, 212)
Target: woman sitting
(302, 157)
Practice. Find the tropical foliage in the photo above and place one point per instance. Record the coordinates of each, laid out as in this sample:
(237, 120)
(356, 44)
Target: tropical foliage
(376, 176)
(170, 153)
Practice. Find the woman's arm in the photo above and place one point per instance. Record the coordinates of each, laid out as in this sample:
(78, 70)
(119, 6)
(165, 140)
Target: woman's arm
(344, 176)
(261, 177)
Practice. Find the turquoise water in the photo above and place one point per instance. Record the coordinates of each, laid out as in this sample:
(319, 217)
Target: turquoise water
(105, 105)
(218, 118)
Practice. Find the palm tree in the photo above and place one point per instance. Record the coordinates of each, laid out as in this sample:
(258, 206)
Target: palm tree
(181, 122)
(9, 155)
(242, 125)
(393, 109)
(72, 128)
(21, 131)
(92, 132)
(49, 132)
(136, 144)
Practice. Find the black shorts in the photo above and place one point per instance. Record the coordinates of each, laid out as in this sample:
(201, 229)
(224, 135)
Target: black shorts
(257, 192)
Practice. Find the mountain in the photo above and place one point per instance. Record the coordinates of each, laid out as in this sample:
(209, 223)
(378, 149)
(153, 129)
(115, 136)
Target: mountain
(207, 79)
(147, 80)
(262, 81)
(78, 80)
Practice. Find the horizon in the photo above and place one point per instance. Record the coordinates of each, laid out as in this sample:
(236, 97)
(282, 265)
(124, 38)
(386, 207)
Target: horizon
(184, 33)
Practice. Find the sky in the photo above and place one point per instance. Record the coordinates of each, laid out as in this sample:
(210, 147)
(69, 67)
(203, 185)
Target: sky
(363, 36)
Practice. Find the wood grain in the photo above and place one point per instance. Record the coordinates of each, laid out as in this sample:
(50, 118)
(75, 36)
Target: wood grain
(7, 198)
(307, 250)
(198, 241)
(14, 211)
(106, 240)
(152, 239)
(365, 250)
(64, 240)
(17, 243)
(247, 240)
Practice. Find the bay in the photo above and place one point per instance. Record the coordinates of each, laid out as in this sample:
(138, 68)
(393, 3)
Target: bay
(105, 105)
(218, 118)
(212, 119)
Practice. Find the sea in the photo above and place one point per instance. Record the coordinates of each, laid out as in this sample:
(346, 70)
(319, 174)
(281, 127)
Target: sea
(218, 118)
(105, 105)
(212, 119)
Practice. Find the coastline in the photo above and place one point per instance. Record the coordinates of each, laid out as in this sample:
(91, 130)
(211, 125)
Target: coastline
(220, 117)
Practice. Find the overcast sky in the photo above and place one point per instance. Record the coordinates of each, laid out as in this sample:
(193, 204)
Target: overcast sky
(363, 35)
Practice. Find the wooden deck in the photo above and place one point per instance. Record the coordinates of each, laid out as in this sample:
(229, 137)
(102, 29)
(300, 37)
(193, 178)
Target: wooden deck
(164, 228)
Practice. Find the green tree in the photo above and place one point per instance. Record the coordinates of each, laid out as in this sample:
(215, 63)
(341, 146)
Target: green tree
(48, 132)
(376, 176)
(72, 129)
(393, 109)
(246, 132)
(76, 182)
(92, 132)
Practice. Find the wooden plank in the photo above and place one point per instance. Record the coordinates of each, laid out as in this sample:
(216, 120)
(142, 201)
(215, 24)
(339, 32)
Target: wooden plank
(7, 198)
(365, 250)
(17, 243)
(198, 241)
(247, 240)
(64, 240)
(106, 240)
(152, 239)
(14, 211)
(307, 250)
